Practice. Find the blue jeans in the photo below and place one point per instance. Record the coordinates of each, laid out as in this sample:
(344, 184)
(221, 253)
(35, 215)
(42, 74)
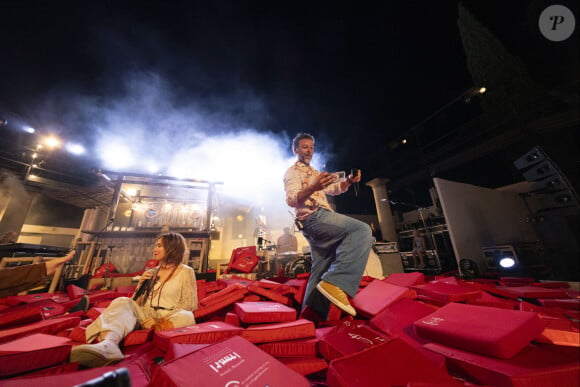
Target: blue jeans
(340, 247)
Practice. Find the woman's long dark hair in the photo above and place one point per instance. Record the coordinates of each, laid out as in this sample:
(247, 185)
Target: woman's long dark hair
(175, 246)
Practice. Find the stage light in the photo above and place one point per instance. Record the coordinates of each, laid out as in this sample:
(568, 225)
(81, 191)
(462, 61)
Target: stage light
(52, 142)
(29, 129)
(75, 149)
(3, 121)
(507, 262)
(153, 168)
(482, 90)
(404, 141)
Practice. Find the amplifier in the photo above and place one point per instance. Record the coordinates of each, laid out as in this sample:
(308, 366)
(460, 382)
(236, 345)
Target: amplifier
(430, 257)
(386, 247)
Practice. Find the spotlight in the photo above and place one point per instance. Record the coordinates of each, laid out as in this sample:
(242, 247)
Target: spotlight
(75, 149)
(404, 141)
(3, 121)
(52, 142)
(482, 90)
(29, 129)
(507, 262)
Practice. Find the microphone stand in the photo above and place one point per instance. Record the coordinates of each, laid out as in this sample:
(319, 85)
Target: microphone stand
(107, 262)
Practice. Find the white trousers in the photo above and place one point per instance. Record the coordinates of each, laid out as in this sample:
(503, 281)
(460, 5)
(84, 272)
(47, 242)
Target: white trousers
(124, 315)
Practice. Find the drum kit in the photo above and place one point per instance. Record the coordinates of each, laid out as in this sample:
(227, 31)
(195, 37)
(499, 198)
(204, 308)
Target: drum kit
(285, 264)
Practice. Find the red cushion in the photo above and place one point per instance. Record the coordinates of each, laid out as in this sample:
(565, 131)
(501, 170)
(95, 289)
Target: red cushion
(270, 294)
(533, 292)
(516, 281)
(406, 279)
(232, 319)
(305, 365)
(221, 294)
(534, 366)
(264, 312)
(219, 303)
(27, 298)
(251, 298)
(487, 299)
(94, 313)
(137, 337)
(178, 349)
(400, 315)
(23, 313)
(208, 332)
(560, 331)
(33, 352)
(378, 295)
(279, 331)
(136, 373)
(296, 348)
(234, 361)
(299, 286)
(243, 259)
(566, 303)
(78, 335)
(350, 337)
(75, 292)
(393, 363)
(291, 348)
(49, 327)
(444, 292)
(489, 331)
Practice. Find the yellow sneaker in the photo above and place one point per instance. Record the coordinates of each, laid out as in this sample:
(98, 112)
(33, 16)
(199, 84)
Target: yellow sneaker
(337, 296)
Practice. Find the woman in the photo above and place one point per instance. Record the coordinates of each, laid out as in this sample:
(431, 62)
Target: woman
(164, 299)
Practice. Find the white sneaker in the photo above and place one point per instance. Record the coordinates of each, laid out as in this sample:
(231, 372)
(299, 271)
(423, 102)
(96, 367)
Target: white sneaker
(96, 355)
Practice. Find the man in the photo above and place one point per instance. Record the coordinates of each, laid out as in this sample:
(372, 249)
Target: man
(339, 245)
(418, 250)
(286, 243)
(19, 278)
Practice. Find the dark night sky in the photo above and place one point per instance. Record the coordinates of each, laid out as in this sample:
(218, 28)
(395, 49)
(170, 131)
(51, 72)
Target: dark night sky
(354, 75)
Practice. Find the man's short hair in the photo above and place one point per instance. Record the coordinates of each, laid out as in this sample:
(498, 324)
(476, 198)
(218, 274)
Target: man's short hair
(301, 136)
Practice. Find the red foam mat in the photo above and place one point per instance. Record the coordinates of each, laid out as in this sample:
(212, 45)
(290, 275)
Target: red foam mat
(292, 348)
(138, 378)
(177, 350)
(406, 279)
(305, 365)
(270, 294)
(219, 303)
(535, 365)
(296, 348)
(33, 352)
(401, 314)
(393, 363)
(533, 291)
(49, 327)
(350, 337)
(208, 332)
(23, 313)
(377, 295)
(444, 292)
(232, 362)
(264, 312)
(292, 330)
(489, 331)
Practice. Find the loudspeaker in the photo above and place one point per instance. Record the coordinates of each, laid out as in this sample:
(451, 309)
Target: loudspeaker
(532, 157)
(550, 186)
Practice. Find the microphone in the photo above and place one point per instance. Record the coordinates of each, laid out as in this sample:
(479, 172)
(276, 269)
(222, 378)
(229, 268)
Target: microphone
(355, 172)
(144, 286)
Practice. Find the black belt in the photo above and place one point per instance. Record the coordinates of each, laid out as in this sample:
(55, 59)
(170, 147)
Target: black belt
(160, 307)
